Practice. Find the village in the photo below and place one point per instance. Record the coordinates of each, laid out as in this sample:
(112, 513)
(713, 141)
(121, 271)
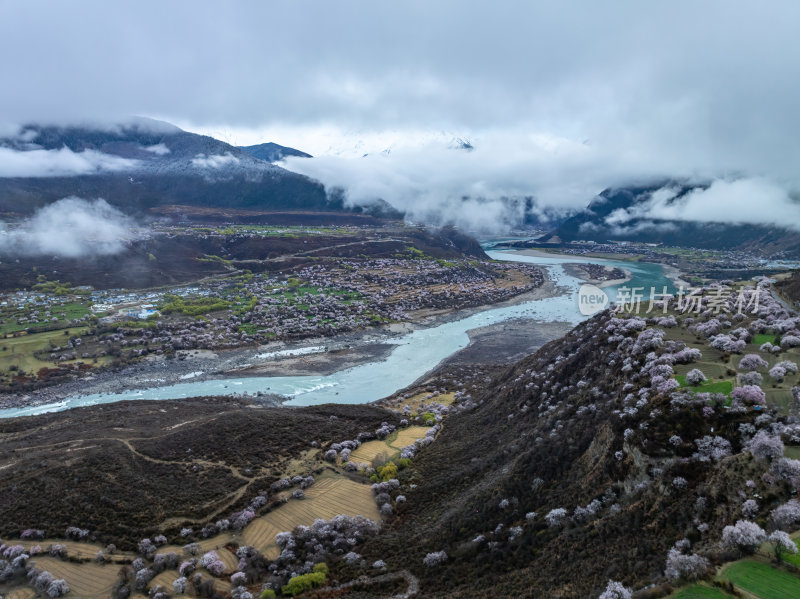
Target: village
(55, 332)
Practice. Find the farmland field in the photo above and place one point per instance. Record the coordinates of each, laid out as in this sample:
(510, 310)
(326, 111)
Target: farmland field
(76, 549)
(87, 580)
(793, 559)
(781, 399)
(21, 593)
(326, 498)
(390, 446)
(18, 351)
(762, 580)
(167, 577)
(415, 402)
(699, 591)
(710, 386)
(216, 543)
(712, 370)
(762, 338)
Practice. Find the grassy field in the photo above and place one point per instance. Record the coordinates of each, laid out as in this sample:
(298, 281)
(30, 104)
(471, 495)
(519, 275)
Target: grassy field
(710, 386)
(779, 398)
(762, 580)
(713, 370)
(62, 313)
(390, 446)
(718, 368)
(762, 338)
(699, 591)
(18, 351)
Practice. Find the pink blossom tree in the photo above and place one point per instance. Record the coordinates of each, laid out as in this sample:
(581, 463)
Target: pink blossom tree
(743, 537)
(764, 446)
(781, 543)
(615, 590)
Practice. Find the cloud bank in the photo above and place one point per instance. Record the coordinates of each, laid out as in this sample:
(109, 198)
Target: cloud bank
(701, 91)
(215, 161)
(71, 227)
(484, 189)
(747, 200)
(481, 190)
(59, 163)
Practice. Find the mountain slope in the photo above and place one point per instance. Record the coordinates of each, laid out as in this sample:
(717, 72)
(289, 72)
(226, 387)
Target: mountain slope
(600, 222)
(148, 163)
(572, 428)
(272, 152)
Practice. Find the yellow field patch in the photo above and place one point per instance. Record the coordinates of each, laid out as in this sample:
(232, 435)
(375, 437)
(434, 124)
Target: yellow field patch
(328, 497)
(86, 580)
(391, 446)
(407, 436)
(415, 402)
(369, 451)
(76, 549)
(216, 543)
(21, 593)
(229, 559)
(167, 577)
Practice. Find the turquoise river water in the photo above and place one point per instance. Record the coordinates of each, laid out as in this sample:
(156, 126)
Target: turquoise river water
(415, 353)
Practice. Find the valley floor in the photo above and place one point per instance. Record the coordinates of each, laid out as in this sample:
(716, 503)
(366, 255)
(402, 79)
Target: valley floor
(311, 357)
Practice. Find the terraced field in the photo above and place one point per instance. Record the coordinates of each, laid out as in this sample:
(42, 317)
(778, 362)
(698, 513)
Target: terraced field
(761, 580)
(391, 446)
(328, 497)
(76, 549)
(719, 372)
(86, 580)
(700, 591)
(415, 401)
(21, 593)
(216, 543)
(166, 578)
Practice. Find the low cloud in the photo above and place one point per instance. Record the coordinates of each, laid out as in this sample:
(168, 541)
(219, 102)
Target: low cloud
(71, 227)
(59, 163)
(487, 189)
(158, 149)
(215, 161)
(747, 200)
(509, 175)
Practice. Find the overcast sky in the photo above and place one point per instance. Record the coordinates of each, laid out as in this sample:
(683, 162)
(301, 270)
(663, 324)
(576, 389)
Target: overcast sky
(559, 99)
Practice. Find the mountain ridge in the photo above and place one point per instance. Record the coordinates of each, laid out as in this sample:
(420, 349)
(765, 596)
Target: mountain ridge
(151, 163)
(597, 222)
(272, 152)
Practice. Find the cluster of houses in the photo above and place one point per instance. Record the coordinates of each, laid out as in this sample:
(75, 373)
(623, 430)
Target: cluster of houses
(321, 301)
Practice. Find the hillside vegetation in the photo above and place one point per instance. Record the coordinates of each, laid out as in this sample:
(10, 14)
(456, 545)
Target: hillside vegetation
(588, 461)
(611, 463)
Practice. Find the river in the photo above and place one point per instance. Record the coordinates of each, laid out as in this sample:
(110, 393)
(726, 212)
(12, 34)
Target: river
(416, 353)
